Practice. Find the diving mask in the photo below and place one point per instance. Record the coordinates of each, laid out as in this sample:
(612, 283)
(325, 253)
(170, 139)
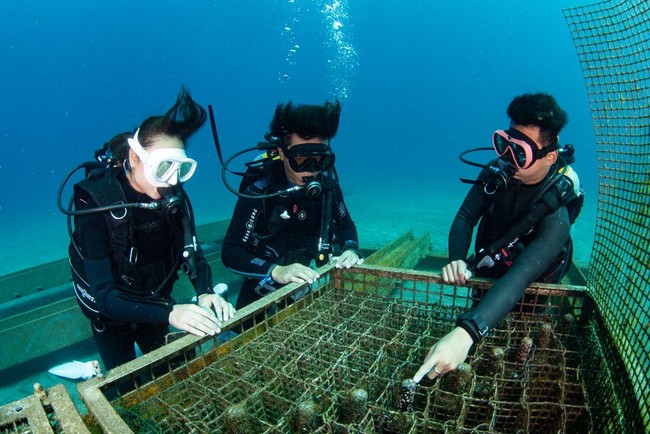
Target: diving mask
(163, 167)
(310, 157)
(523, 149)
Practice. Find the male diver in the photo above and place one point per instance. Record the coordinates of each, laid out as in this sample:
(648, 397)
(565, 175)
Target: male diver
(524, 203)
(290, 213)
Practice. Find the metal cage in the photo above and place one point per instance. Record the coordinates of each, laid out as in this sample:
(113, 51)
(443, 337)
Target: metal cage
(333, 360)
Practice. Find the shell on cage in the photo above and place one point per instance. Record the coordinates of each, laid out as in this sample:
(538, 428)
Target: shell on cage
(395, 422)
(452, 387)
(490, 361)
(544, 335)
(568, 322)
(497, 354)
(305, 416)
(524, 350)
(237, 420)
(460, 379)
(407, 394)
(355, 406)
(495, 360)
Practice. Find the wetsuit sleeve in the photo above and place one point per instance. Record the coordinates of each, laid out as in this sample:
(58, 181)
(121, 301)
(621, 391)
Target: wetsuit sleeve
(467, 217)
(93, 239)
(346, 233)
(203, 282)
(552, 235)
(237, 249)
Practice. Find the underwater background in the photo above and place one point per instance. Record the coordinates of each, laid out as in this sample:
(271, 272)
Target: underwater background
(419, 82)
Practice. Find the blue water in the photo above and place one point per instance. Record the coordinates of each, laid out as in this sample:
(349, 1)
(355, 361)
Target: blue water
(419, 82)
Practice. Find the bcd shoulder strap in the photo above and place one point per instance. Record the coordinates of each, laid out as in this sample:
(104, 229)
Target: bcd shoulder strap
(104, 189)
(558, 191)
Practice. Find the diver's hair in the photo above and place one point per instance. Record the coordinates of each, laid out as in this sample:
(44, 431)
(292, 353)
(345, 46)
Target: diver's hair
(116, 150)
(181, 121)
(305, 120)
(539, 109)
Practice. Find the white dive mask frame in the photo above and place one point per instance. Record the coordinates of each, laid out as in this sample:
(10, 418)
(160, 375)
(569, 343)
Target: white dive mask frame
(163, 167)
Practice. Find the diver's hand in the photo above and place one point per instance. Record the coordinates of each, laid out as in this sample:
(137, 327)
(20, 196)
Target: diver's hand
(455, 272)
(222, 308)
(194, 319)
(446, 355)
(297, 273)
(347, 259)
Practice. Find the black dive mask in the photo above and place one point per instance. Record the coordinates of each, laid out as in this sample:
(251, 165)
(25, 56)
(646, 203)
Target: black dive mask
(310, 157)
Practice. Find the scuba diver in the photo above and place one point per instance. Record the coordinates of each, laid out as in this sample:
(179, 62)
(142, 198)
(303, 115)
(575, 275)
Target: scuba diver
(526, 201)
(133, 231)
(290, 214)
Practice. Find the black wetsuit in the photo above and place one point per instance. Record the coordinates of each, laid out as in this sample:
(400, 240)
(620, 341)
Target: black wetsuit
(542, 255)
(282, 230)
(122, 314)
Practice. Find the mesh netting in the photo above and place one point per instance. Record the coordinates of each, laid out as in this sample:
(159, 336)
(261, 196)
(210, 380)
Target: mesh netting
(612, 42)
(337, 360)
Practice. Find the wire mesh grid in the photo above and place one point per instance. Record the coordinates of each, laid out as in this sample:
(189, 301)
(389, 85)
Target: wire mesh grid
(612, 40)
(335, 361)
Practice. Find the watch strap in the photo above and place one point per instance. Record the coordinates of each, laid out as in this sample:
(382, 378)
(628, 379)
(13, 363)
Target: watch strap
(473, 325)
